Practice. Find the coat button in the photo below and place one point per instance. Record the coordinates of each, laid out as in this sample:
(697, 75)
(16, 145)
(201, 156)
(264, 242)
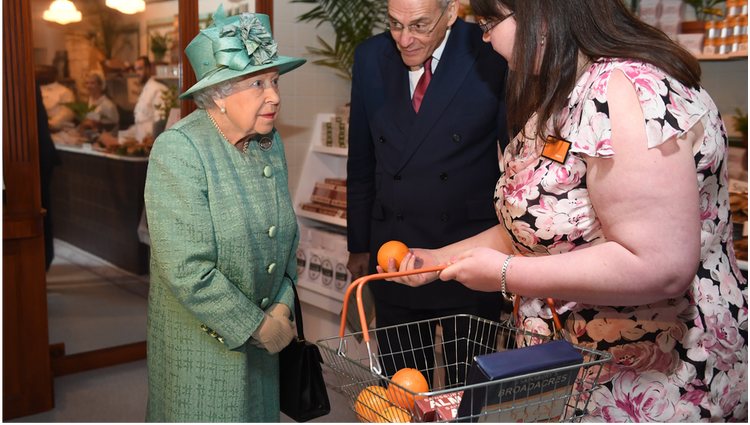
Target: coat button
(399, 217)
(443, 176)
(444, 217)
(397, 177)
(204, 328)
(272, 231)
(381, 139)
(220, 339)
(267, 172)
(456, 137)
(264, 303)
(271, 268)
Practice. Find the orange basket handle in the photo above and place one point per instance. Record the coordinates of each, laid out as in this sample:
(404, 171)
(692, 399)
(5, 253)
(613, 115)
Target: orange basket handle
(550, 303)
(359, 283)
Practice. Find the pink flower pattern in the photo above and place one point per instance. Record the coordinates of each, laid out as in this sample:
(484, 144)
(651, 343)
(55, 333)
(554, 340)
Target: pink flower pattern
(678, 360)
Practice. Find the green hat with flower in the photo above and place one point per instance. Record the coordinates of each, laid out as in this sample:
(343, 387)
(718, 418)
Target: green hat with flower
(232, 47)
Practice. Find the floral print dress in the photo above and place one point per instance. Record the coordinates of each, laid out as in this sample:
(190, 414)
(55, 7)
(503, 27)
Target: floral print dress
(678, 360)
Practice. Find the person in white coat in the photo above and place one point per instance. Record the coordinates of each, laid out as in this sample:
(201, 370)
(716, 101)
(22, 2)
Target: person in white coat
(146, 111)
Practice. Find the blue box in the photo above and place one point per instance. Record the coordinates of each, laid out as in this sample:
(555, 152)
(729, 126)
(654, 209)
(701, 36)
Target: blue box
(540, 397)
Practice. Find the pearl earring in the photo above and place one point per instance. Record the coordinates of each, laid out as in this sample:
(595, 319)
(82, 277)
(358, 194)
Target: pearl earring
(224, 110)
(544, 37)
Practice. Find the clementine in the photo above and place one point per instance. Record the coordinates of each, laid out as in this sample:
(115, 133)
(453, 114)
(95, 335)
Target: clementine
(391, 249)
(410, 380)
(395, 414)
(370, 404)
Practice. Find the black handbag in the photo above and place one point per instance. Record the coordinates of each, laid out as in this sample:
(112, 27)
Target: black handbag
(303, 393)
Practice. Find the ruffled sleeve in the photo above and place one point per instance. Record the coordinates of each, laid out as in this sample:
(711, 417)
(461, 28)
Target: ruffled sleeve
(669, 108)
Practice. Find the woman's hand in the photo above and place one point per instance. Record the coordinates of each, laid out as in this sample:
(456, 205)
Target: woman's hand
(477, 268)
(414, 259)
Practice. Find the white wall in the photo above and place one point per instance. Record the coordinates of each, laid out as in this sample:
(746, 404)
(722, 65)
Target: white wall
(305, 91)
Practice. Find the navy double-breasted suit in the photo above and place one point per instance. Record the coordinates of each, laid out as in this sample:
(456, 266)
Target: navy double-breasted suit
(425, 179)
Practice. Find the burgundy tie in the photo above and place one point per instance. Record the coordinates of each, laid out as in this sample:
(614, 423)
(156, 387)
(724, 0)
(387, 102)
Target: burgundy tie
(422, 84)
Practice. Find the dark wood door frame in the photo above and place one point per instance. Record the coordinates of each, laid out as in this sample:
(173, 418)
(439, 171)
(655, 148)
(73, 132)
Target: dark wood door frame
(29, 362)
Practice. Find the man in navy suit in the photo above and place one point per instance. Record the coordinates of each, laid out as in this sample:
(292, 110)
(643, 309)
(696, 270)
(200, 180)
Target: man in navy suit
(425, 178)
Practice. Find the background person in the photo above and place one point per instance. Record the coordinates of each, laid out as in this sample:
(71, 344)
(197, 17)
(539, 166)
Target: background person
(54, 98)
(146, 110)
(442, 157)
(104, 114)
(628, 225)
(223, 236)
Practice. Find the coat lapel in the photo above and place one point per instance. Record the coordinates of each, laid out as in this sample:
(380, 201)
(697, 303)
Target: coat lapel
(457, 60)
(397, 92)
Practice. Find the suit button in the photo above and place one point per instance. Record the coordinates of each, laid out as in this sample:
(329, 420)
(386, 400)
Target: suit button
(267, 172)
(443, 176)
(397, 177)
(456, 137)
(204, 328)
(271, 268)
(444, 217)
(381, 139)
(399, 217)
(264, 303)
(272, 231)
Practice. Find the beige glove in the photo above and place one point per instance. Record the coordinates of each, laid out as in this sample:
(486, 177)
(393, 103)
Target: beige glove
(274, 333)
(279, 310)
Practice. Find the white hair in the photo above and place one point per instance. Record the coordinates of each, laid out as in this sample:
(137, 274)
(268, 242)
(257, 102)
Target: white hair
(99, 79)
(204, 98)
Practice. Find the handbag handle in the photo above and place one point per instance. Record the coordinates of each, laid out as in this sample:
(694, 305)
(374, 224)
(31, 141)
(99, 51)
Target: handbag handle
(297, 312)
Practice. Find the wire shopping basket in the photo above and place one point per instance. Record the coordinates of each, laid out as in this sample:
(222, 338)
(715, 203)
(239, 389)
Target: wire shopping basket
(375, 396)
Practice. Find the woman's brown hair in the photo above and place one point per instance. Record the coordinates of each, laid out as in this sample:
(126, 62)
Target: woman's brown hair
(596, 28)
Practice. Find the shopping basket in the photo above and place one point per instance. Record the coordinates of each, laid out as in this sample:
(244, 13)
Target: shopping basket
(375, 397)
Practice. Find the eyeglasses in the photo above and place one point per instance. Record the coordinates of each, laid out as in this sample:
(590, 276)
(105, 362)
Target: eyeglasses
(487, 26)
(419, 28)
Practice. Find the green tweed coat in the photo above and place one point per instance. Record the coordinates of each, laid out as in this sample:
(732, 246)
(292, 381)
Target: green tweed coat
(223, 242)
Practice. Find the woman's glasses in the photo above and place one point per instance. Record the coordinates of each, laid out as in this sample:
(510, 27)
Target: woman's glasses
(487, 26)
(419, 28)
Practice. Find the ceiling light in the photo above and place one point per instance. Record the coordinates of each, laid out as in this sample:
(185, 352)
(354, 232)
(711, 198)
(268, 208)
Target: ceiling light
(127, 7)
(63, 12)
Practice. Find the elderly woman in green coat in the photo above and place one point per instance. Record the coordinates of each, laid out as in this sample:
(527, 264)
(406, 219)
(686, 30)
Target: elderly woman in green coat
(223, 235)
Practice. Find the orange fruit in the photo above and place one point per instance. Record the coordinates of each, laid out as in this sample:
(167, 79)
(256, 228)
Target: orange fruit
(395, 414)
(391, 249)
(411, 380)
(371, 403)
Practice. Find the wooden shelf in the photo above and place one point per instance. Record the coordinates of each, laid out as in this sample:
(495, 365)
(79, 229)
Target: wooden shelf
(726, 57)
(330, 150)
(336, 221)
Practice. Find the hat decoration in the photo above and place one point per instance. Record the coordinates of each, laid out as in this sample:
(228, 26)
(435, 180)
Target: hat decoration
(232, 47)
(244, 42)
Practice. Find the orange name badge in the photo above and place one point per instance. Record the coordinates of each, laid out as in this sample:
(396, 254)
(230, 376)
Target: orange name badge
(556, 149)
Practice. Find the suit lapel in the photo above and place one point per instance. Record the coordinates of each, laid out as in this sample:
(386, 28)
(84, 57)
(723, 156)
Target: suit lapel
(457, 60)
(397, 92)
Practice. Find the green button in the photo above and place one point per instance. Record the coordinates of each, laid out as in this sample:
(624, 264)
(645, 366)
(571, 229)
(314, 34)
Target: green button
(272, 231)
(267, 171)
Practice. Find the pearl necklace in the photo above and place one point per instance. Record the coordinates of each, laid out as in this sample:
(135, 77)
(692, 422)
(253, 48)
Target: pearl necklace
(245, 144)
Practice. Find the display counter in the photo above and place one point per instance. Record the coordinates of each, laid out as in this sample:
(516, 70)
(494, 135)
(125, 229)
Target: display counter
(97, 201)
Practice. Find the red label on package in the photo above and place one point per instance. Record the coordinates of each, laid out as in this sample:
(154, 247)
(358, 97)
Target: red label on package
(427, 407)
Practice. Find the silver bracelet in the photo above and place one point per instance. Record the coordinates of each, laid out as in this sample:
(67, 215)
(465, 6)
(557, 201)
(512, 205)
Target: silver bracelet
(503, 273)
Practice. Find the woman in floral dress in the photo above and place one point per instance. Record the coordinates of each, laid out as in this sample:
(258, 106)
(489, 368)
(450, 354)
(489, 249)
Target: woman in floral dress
(614, 202)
